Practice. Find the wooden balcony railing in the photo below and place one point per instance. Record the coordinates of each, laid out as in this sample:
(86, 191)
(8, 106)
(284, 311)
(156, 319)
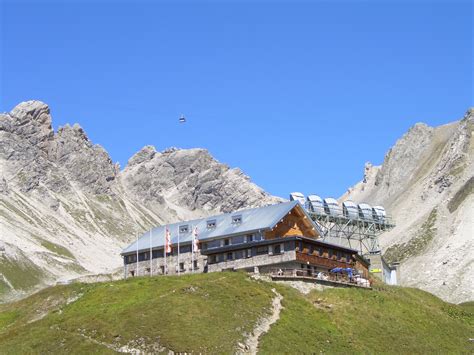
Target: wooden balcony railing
(325, 262)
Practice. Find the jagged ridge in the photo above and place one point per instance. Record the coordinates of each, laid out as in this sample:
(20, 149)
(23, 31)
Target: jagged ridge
(426, 180)
(66, 209)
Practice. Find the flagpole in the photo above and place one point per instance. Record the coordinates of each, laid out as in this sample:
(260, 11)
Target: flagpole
(192, 251)
(165, 268)
(178, 253)
(151, 257)
(137, 255)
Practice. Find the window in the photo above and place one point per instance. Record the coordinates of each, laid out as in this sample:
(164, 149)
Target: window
(262, 250)
(348, 258)
(277, 249)
(238, 239)
(311, 250)
(183, 229)
(229, 256)
(132, 273)
(226, 241)
(157, 254)
(237, 219)
(212, 259)
(211, 224)
(185, 248)
(214, 244)
(249, 253)
(220, 258)
(239, 254)
(249, 238)
(195, 264)
(162, 269)
(181, 266)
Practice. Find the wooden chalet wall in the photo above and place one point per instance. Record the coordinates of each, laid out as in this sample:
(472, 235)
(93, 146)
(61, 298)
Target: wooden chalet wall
(293, 224)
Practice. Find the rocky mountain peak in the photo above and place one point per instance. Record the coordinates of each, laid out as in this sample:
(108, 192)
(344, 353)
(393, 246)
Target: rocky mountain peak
(30, 120)
(75, 132)
(405, 152)
(145, 154)
(34, 111)
(469, 113)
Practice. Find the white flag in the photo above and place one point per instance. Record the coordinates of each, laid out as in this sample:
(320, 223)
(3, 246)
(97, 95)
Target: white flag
(195, 240)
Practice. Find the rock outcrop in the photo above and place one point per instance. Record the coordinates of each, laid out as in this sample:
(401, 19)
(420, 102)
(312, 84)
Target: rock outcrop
(67, 210)
(426, 183)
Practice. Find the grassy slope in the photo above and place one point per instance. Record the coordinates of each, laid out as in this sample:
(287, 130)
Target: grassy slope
(386, 320)
(210, 312)
(205, 313)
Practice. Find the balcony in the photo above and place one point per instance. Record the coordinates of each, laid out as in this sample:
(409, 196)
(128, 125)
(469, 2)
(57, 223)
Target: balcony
(322, 261)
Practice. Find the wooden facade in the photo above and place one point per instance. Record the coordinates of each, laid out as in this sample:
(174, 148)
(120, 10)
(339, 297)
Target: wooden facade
(323, 262)
(295, 223)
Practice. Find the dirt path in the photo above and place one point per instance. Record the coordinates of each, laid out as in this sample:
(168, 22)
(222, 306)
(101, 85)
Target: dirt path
(263, 326)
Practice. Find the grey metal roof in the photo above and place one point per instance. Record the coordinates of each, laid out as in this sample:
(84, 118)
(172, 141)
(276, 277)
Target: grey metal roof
(254, 219)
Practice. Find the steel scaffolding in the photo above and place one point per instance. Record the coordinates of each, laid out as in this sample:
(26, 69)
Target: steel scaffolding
(358, 233)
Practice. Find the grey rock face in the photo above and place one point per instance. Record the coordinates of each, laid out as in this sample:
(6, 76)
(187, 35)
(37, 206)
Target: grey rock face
(26, 140)
(64, 201)
(192, 179)
(429, 169)
(406, 153)
(84, 163)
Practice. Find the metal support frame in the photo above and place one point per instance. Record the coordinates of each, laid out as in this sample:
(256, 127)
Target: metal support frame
(359, 233)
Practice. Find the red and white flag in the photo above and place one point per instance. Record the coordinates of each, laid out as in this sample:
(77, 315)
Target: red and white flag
(167, 241)
(195, 240)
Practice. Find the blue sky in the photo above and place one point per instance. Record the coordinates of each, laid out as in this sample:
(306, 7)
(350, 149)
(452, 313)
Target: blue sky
(299, 95)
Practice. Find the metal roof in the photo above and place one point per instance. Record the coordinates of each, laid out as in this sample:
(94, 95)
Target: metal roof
(365, 210)
(350, 209)
(379, 210)
(331, 201)
(255, 219)
(314, 198)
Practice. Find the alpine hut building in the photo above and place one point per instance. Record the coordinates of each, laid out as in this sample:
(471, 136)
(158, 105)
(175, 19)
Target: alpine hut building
(264, 239)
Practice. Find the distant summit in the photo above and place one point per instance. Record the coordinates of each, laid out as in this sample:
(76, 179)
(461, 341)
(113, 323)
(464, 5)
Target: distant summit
(67, 210)
(427, 182)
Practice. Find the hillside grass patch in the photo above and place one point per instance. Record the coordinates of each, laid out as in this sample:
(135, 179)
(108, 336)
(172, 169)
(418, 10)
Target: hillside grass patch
(56, 248)
(201, 313)
(209, 313)
(416, 245)
(387, 319)
(460, 195)
(22, 275)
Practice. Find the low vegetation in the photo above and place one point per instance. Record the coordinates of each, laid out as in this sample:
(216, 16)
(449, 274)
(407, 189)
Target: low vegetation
(212, 313)
(56, 248)
(20, 275)
(459, 197)
(426, 233)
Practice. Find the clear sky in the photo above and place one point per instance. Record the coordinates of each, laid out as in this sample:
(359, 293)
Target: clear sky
(299, 95)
